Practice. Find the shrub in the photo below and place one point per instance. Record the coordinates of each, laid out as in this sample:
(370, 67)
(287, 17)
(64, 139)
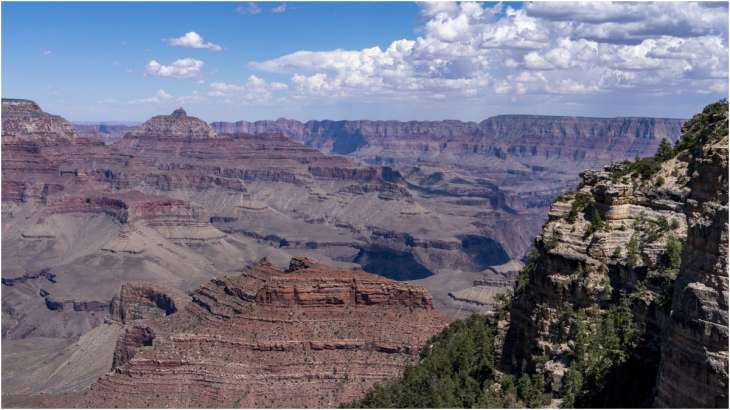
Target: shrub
(665, 151)
(674, 252)
(581, 201)
(674, 224)
(632, 252)
(660, 181)
(456, 369)
(597, 223)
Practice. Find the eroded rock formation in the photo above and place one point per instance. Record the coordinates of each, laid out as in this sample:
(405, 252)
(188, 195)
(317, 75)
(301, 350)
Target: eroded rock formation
(307, 336)
(599, 296)
(694, 368)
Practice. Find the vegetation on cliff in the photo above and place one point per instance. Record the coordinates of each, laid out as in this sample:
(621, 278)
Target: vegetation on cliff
(457, 369)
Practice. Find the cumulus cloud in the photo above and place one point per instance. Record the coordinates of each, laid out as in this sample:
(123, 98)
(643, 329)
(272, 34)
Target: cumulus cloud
(471, 50)
(160, 96)
(631, 23)
(47, 52)
(281, 8)
(254, 89)
(193, 40)
(249, 8)
(182, 68)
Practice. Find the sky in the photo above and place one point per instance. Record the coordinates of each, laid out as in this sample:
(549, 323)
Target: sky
(233, 61)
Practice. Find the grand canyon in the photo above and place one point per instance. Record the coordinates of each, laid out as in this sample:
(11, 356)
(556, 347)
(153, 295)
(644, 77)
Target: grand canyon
(525, 206)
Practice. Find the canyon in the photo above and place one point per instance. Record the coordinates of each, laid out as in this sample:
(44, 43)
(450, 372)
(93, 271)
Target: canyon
(623, 301)
(175, 202)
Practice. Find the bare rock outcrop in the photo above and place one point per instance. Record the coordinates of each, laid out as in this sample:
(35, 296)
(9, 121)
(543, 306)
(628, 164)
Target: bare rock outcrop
(694, 367)
(24, 121)
(310, 336)
(604, 285)
(173, 126)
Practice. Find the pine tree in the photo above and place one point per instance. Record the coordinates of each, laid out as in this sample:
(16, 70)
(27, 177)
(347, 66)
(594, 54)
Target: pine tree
(665, 150)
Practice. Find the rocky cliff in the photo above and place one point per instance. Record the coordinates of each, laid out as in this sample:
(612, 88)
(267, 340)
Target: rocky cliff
(174, 186)
(109, 133)
(608, 279)
(307, 336)
(694, 366)
(522, 133)
(23, 120)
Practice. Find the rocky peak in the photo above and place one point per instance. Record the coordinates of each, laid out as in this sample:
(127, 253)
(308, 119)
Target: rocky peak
(177, 125)
(179, 113)
(24, 120)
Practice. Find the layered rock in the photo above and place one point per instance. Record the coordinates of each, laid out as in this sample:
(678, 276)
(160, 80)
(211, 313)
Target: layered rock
(24, 121)
(694, 367)
(594, 303)
(531, 158)
(309, 336)
(519, 134)
(109, 133)
(173, 126)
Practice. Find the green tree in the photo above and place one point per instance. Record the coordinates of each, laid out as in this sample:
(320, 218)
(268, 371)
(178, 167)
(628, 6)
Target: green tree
(674, 252)
(632, 252)
(665, 151)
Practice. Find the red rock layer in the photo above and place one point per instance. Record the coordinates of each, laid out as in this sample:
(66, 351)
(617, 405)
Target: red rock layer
(311, 336)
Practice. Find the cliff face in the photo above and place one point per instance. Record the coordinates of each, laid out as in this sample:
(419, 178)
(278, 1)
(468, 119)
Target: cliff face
(346, 137)
(309, 336)
(23, 120)
(173, 186)
(599, 294)
(694, 368)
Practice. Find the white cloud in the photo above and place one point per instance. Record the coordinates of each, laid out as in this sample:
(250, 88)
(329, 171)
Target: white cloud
(160, 96)
(193, 40)
(254, 89)
(281, 8)
(473, 51)
(249, 8)
(47, 52)
(182, 68)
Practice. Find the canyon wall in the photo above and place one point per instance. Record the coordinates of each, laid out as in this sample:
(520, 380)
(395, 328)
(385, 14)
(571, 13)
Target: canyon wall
(628, 280)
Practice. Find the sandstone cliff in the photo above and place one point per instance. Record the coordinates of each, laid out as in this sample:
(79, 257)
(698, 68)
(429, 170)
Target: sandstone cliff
(694, 366)
(598, 294)
(309, 336)
(23, 120)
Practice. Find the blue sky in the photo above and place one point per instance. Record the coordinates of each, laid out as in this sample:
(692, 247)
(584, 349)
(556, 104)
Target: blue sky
(230, 61)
